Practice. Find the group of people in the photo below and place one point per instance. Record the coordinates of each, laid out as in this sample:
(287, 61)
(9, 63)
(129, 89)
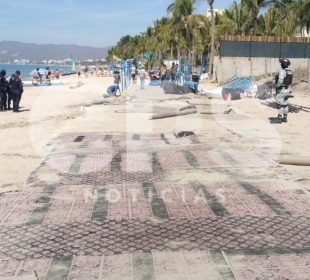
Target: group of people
(141, 74)
(163, 74)
(40, 75)
(86, 70)
(11, 91)
(171, 74)
(283, 81)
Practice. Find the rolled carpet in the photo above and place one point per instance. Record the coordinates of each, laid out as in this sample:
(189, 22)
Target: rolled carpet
(295, 160)
(169, 113)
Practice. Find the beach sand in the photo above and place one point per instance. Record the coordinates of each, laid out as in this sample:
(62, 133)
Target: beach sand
(252, 202)
(48, 112)
(45, 111)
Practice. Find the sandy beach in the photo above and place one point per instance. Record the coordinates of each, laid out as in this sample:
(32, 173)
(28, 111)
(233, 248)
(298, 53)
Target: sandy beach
(153, 140)
(48, 112)
(45, 112)
(70, 150)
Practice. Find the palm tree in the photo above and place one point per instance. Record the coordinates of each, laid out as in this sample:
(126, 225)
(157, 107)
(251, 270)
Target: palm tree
(212, 53)
(162, 36)
(188, 30)
(225, 24)
(253, 7)
(289, 20)
(268, 24)
(304, 15)
(239, 15)
(180, 9)
(197, 29)
(232, 21)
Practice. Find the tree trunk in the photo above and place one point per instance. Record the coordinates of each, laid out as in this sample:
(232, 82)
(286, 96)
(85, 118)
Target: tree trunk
(212, 53)
(254, 27)
(171, 51)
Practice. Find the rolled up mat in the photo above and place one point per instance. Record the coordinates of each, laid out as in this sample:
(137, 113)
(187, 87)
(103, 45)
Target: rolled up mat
(198, 103)
(187, 108)
(163, 115)
(172, 88)
(295, 160)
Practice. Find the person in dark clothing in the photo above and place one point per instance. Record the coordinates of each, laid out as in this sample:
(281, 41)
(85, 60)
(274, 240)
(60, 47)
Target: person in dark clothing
(10, 96)
(163, 74)
(117, 80)
(174, 70)
(48, 74)
(40, 75)
(16, 87)
(283, 81)
(3, 90)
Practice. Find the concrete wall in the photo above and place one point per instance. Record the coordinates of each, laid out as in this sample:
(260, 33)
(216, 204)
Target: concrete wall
(226, 67)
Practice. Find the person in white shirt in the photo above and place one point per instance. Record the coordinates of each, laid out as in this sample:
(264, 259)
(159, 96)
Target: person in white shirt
(142, 76)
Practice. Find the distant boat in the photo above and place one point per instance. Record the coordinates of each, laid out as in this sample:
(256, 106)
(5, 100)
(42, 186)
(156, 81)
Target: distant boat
(73, 69)
(73, 65)
(68, 73)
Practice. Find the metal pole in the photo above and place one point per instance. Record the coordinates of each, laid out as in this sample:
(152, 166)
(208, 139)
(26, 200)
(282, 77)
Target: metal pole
(270, 64)
(308, 70)
(250, 54)
(251, 65)
(122, 77)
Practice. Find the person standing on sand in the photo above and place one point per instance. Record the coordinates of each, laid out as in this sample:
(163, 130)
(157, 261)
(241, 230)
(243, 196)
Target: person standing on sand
(3, 90)
(35, 77)
(10, 97)
(142, 75)
(283, 81)
(163, 74)
(48, 74)
(86, 71)
(41, 74)
(117, 81)
(133, 73)
(174, 70)
(16, 87)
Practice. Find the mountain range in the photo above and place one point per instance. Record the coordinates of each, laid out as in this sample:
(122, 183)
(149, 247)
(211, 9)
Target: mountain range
(11, 50)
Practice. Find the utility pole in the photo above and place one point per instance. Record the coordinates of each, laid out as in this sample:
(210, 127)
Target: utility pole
(212, 53)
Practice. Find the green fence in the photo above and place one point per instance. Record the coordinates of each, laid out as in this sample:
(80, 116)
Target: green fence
(264, 49)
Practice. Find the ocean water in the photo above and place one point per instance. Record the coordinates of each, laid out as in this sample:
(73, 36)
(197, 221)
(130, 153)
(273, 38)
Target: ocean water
(27, 69)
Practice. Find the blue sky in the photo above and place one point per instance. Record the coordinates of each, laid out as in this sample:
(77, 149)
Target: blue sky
(84, 22)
